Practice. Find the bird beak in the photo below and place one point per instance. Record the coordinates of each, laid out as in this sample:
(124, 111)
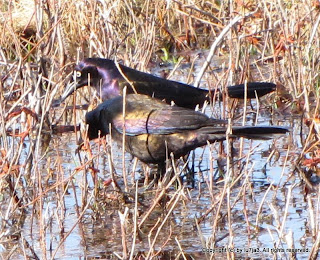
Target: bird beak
(70, 87)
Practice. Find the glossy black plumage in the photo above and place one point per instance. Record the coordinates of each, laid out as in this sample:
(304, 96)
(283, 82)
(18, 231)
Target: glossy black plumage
(154, 129)
(109, 81)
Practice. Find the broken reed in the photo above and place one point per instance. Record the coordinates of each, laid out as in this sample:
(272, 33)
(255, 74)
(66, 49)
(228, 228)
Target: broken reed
(40, 42)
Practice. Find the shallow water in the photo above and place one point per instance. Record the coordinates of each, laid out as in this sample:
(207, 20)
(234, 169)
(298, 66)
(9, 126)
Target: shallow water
(98, 235)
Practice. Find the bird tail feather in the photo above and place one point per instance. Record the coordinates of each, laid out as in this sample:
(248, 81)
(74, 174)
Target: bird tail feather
(254, 89)
(258, 132)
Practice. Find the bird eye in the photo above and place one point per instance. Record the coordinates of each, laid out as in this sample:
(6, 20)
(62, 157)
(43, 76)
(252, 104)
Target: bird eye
(78, 74)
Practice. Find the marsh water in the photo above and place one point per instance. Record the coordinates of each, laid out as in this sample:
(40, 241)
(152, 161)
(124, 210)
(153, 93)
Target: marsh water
(268, 184)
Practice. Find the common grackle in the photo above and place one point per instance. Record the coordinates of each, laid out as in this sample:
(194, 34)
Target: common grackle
(109, 81)
(154, 129)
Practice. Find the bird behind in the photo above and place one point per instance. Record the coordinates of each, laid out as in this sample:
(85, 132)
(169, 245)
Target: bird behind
(109, 81)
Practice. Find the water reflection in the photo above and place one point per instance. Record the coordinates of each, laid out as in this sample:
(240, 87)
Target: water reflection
(266, 175)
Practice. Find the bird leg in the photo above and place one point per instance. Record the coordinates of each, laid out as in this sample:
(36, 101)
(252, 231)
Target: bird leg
(161, 171)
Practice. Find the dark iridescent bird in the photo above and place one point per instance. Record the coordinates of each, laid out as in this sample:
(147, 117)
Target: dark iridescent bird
(105, 77)
(154, 129)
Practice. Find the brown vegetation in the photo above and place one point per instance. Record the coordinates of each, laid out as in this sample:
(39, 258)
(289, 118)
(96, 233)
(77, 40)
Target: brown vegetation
(40, 176)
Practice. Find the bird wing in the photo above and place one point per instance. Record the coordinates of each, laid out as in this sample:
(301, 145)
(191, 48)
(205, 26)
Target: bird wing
(166, 120)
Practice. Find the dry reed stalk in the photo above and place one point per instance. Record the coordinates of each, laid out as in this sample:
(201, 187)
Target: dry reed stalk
(159, 197)
(285, 33)
(73, 227)
(176, 198)
(123, 224)
(124, 172)
(135, 222)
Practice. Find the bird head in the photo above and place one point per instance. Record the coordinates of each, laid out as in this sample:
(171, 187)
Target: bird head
(95, 72)
(84, 75)
(96, 127)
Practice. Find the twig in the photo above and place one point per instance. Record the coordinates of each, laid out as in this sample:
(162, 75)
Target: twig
(216, 43)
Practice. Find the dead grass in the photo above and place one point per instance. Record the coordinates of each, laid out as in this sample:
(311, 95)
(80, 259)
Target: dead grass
(40, 175)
